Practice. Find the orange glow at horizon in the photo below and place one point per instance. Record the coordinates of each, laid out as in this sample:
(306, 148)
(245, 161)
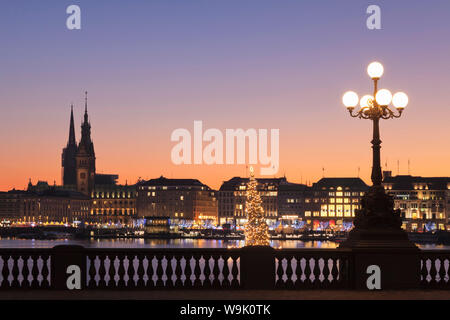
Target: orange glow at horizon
(339, 145)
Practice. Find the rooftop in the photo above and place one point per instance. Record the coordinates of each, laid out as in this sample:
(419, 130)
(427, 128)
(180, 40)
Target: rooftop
(162, 181)
(351, 183)
(235, 182)
(407, 182)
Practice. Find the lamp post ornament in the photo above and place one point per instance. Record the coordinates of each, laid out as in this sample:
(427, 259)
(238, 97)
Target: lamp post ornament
(377, 221)
(256, 229)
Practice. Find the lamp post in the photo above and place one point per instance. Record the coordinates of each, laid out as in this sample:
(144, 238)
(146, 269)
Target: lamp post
(377, 224)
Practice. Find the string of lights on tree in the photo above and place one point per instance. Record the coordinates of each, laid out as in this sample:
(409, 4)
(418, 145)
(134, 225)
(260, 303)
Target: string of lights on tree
(256, 229)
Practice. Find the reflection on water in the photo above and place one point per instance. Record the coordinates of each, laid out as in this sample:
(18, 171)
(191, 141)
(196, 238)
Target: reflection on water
(172, 243)
(158, 243)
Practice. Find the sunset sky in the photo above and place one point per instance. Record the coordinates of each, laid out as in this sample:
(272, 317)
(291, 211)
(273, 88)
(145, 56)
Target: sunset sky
(154, 66)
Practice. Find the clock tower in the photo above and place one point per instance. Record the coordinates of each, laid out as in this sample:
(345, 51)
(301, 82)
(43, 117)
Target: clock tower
(85, 157)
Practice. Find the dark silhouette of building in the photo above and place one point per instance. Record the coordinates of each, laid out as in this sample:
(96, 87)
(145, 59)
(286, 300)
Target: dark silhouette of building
(291, 202)
(69, 164)
(85, 157)
(78, 162)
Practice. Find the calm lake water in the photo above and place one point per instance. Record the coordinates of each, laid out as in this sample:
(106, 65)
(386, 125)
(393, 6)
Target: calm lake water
(173, 243)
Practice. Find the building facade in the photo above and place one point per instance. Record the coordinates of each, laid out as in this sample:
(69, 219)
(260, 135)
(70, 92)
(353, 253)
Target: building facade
(113, 204)
(331, 203)
(51, 206)
(424, 202)
(232, 199)
(291, 203)
(181, 200)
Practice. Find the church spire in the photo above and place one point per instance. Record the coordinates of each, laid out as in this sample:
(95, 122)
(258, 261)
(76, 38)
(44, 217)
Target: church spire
(85, 107)
(72, 140)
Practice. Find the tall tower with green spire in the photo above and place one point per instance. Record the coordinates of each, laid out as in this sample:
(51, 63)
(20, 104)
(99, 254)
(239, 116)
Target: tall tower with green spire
(69, 170)
(85, 157)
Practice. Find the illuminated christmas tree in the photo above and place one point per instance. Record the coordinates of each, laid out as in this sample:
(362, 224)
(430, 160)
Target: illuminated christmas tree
(256, 229)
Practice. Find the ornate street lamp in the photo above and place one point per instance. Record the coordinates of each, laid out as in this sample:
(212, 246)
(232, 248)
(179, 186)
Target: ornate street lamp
(377, 224)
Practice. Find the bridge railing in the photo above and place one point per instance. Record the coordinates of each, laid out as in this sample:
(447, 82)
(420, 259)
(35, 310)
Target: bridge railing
(25, 268)
(196, 268)
(435, 269)
(312, 269)
(162, 268)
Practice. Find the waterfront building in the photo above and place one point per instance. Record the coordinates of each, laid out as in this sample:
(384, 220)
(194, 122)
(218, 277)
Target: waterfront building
(331, 203)
(157, 225)
(12, 205)
(113, 204)
(181, 200)
(49, 206)
(291, 203)
(233, 195)
(424, 202)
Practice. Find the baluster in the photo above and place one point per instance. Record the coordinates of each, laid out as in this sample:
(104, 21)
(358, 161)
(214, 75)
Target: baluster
(216, 272)
(112, 271)
(197, 271)
(92, 272)
(5, 272)
(433, 272)
(326, 273)
(140, 271)
(446, 277)
(25, 271)
(4, 268)
(169, 271)
(150, 283)
(289, 272)
(334, 271)
(316, 272)
(15, 271)
(159, 271)
(442, 272)
(280, 282)
(130, 271)
(298, 272)
(34, 271)
(178, 272)
(234, 273)
(207, 271)
(121, 272)
(423, 271)
(226, 272)
(45, 271)
(188, 271)
(308, 282)
(102, 271)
